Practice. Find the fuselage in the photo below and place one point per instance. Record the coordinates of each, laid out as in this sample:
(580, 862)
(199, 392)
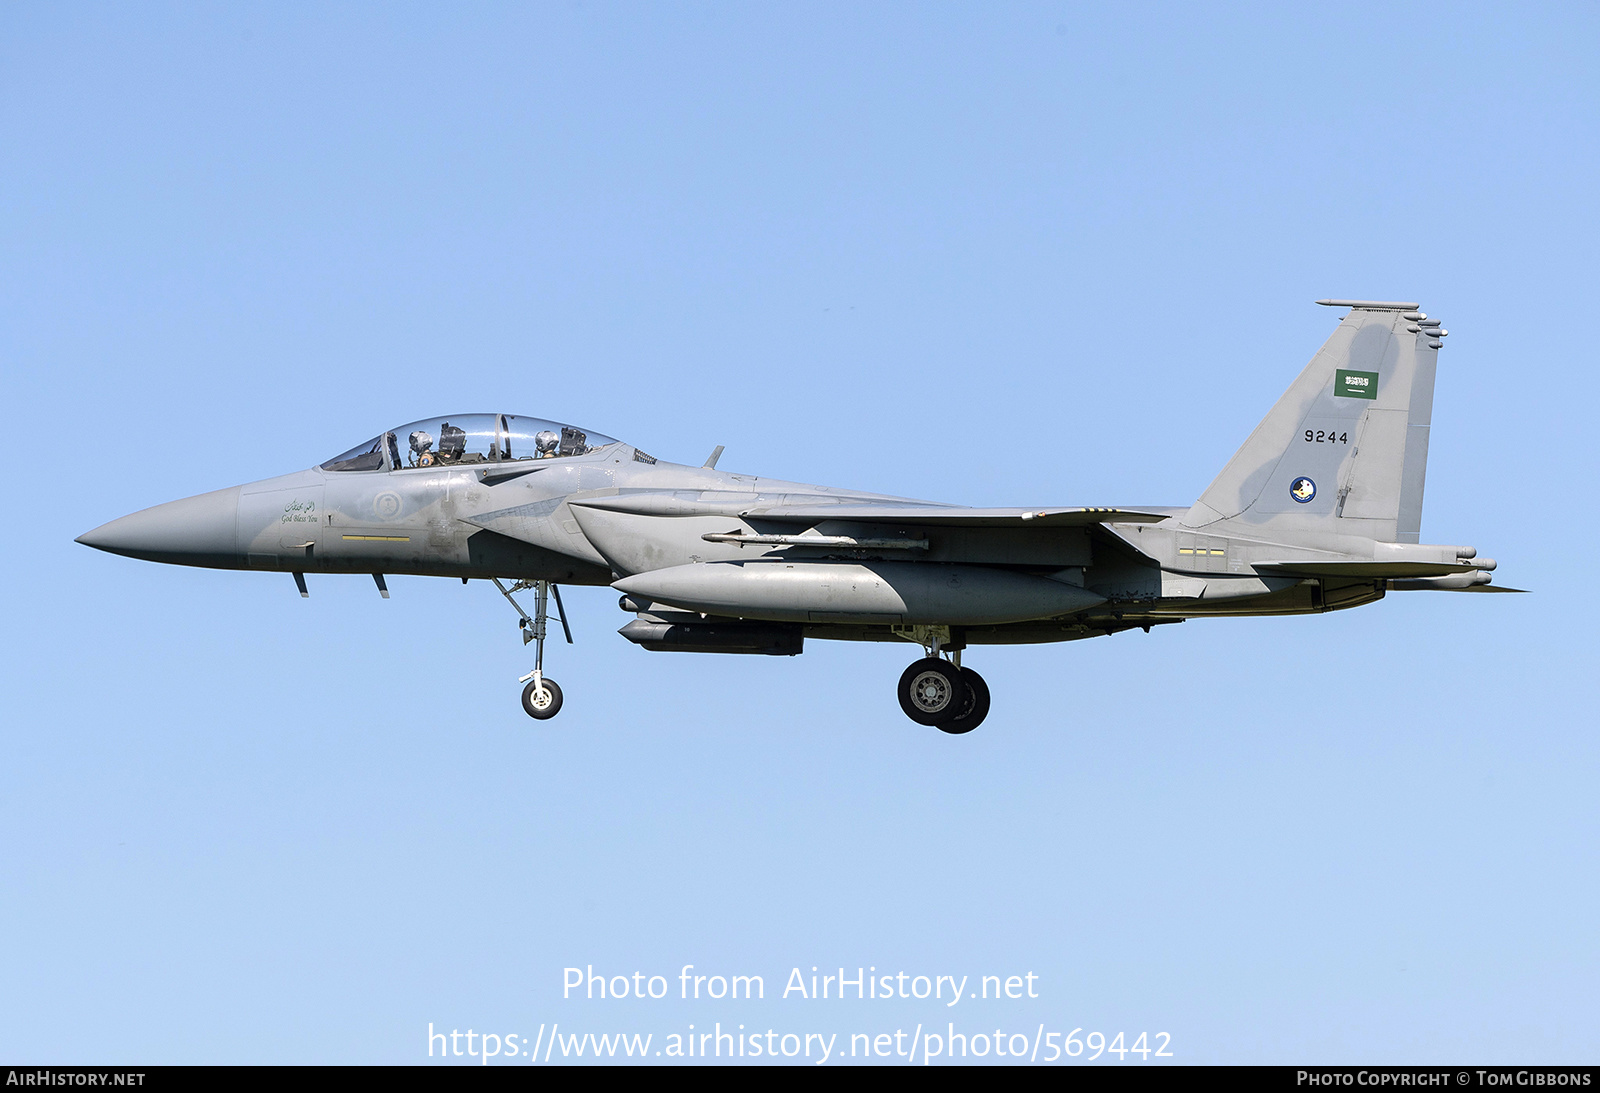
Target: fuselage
(526, 519)
(1320, 509)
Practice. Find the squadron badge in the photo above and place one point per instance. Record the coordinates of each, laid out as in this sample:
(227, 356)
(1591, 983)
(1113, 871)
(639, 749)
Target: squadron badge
(1302, 489)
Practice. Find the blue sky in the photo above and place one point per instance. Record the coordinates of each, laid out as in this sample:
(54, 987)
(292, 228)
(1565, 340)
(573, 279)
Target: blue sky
(1031, 253)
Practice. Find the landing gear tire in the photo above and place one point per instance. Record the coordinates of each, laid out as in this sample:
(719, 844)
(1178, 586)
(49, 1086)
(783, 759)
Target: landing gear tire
(931, 691)
(974, 706)
(541, 705)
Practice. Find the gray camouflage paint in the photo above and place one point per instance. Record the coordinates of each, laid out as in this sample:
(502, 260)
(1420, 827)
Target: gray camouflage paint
(615, 516)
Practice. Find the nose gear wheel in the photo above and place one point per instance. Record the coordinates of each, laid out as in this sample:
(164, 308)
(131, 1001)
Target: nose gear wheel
(541, 698)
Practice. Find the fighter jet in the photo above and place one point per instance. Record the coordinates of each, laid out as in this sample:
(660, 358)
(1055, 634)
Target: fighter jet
(1320, 510)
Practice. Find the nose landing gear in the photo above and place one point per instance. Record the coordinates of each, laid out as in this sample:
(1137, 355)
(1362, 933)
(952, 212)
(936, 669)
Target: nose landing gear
(940, 693)
(541, 698)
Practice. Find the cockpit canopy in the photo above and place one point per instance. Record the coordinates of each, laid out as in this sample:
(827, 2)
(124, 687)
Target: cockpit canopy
(468, 438)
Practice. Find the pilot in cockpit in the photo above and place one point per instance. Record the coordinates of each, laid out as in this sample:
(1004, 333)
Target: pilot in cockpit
(421, 442)
(545, 444)
(452, 444)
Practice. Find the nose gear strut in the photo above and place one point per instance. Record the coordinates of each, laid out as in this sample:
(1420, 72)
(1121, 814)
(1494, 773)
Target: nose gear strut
(541, 698)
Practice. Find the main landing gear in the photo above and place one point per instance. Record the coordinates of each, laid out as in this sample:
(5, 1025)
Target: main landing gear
(939, 692)
(541, 698)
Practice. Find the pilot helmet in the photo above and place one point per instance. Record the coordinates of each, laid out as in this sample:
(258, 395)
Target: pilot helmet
(421, 441)
(546, 442)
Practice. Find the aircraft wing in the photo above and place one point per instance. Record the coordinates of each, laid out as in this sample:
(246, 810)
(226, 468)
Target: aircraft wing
(950, 516)
(749, 507)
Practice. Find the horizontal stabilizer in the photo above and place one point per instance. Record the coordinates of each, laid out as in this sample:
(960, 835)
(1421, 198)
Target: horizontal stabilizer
(1450, 584)
(1371, 305)
(1364, 570)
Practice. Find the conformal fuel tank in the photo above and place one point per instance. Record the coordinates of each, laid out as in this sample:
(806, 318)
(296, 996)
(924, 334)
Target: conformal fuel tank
(864, 592)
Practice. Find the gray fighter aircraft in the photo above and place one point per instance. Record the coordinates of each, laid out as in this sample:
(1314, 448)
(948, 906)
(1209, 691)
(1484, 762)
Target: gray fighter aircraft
(1320, 510)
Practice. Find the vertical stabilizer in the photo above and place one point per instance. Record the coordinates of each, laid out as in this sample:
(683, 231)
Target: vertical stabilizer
(1345, 450)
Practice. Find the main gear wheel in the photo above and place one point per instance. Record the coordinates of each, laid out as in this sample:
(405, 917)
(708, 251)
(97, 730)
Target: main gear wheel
(974, 708)
(931, 691)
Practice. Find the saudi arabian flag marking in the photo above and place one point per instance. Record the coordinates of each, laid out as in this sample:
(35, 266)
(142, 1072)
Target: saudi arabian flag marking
(1348, 384)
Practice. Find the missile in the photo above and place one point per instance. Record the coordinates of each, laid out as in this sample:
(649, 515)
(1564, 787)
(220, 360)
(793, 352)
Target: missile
(662, 635)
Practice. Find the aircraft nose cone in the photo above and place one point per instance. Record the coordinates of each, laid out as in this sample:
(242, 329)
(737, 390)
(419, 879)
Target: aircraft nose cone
(201, 530)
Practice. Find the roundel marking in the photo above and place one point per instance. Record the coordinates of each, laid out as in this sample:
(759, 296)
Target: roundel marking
(386, 505)
(1302, 489)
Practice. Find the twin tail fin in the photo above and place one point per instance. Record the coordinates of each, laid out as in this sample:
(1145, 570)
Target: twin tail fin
(1345, 450)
